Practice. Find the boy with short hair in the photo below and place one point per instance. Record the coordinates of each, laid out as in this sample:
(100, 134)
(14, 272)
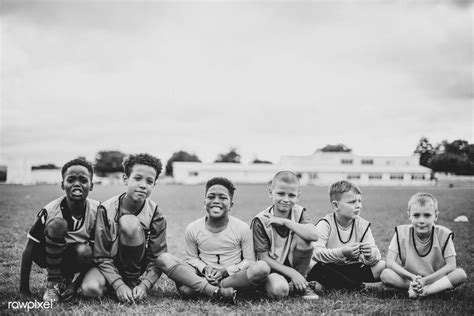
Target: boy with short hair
(283, 236)
(345, 256)
(130, 235)
(60, 240)
(421, 256)
(219, 248)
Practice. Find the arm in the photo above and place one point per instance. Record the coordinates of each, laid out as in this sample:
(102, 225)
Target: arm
(156, 246)
(321, 253)
(102, 251)
(26, 261)
(304, 228)
(247, 252)
(192, 251)
(298, 280)
(370, 252)
(391, 263)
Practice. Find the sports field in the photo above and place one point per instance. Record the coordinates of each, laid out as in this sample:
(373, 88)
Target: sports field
(384, 207)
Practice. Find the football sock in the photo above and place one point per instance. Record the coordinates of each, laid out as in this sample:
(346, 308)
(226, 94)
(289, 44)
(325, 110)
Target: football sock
(130, 260)
(184, 274)
(238, 280)
(437, 286)
(301, 260)
(54, 252)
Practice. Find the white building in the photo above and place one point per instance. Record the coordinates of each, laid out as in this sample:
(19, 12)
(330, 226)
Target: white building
(320, 168)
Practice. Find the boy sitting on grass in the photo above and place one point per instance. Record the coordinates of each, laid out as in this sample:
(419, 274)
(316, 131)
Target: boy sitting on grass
(283, 236)
(219, 248)
(345, 256)
(421, 256)
(130, 234)
(60, 240)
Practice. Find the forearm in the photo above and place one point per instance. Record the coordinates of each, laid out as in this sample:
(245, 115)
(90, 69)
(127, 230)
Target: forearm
(398, 269)
(275, 265)
(324, 255)
(196, 263)
(110, 272)
(26, 261)
(151, 275)
(239, 266)
(374, 257)
(446, 269)
(307, 231)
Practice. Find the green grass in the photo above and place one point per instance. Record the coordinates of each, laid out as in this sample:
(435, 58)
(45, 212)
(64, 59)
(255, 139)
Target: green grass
(384, 207)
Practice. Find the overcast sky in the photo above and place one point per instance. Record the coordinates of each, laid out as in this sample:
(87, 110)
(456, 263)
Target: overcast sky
(269, 78)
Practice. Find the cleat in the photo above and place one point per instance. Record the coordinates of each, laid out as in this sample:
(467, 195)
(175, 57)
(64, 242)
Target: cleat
(316, 287)
(53, 292)
(309, 294)
(373, 287)
(227, 295)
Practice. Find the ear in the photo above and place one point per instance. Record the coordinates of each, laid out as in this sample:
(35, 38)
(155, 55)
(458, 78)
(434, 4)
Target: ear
(231, 204)
(270, 192)
(436, 216)
(125, 179)
(62, 185)
(92, 186)
(334, 205)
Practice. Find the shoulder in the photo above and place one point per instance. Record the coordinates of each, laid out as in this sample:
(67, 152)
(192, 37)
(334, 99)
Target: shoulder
(326, 219)
(238, 224)
(362, 221)
(109, 207)
(93, 205)
(52, 209)
(442, 230)
(197, 224)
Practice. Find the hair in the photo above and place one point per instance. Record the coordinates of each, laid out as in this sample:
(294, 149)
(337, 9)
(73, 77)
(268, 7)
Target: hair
(141, 159)
(224, 182)
(337, 189)
(285, 176)
(422, 199)
(78, 162)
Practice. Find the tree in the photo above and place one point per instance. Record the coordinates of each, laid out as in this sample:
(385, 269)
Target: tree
(108, 161)
(232, 156)
(336, 148)
(179, 156)
(256, 160)
(426, 151)
(49, 166)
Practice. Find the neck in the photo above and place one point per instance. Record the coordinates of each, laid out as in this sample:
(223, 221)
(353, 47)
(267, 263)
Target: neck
(76, 207)
(278, 213)
(217, 222)
(129, 205)
(343, 221)
(423, 236)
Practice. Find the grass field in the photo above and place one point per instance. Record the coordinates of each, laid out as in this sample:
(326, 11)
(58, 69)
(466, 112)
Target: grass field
(384, 207)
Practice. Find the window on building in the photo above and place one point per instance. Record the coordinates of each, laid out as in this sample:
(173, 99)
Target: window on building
(193, 173)
(346, 161)
(367, 161)
(418, 176)
(353, 176)
(396, 176)
(313, 175)
(375, 176)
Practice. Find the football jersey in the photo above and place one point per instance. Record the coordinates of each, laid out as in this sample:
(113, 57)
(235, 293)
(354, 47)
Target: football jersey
(78, 230)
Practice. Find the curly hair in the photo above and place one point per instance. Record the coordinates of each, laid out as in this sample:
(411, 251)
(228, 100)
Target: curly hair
(141, 159)
(340, 187)
(78, 162)
(224, 182)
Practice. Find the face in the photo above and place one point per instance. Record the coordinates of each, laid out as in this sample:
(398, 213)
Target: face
(284, 196)
(422, 218)
(349, 206)
(140, 183)
(77, 183)
(218, 202)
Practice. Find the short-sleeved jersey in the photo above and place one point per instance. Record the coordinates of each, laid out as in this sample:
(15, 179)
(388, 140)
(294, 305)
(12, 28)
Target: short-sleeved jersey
(422, 258)
(276, 240)
(107, 242)
(78, 230)
(231, 248)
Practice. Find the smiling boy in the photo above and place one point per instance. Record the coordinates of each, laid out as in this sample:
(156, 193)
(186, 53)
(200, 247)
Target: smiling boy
(421, 256)
(345, 256)
(61, 238)
(283, 236)
(130, 235)
(219, 250)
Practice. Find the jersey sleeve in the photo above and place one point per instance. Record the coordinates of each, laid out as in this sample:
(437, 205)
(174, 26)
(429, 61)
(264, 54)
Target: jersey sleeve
(192, 250)
(393, 246)
(156, 246)
(321, 253)
(247, 251)
(36, 232)
(304, 218)
(375, 255)
(260, 239)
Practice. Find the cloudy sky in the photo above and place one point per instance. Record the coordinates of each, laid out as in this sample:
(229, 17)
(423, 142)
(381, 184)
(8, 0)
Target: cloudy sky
(269, 78)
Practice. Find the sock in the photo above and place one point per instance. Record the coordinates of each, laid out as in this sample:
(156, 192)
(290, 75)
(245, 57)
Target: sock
(438, 286)
(130, 261)
(238, 280)
(183, 274)
(54, 255)
(301, 260)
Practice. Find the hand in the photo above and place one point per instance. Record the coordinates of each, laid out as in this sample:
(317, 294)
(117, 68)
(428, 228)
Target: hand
(417, 284)
(209, 274)
(139, 292)
(352, 251)
(299, 281)
(124, 294)
(274, 220)
(219, 274)
(366, 249)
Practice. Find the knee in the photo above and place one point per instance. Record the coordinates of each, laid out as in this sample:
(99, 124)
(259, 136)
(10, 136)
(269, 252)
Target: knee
(386, 275)
(56, 228)
(457, 277)
(83, 253)
(92, 289)
(258, 272)
(129, 227)
(377, 269)
(277, 288)
(166, 261)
